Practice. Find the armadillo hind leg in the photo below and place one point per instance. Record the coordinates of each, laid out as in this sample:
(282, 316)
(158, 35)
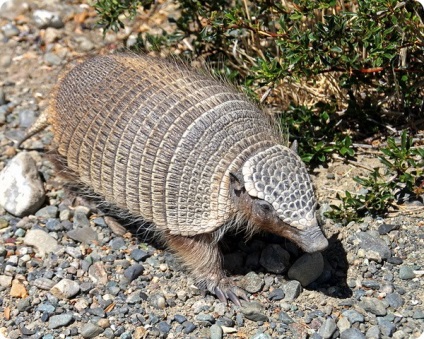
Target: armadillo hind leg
(201, 255)
(40, 124)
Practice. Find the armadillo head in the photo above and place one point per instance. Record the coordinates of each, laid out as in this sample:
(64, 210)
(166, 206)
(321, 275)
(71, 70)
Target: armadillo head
(283, 200)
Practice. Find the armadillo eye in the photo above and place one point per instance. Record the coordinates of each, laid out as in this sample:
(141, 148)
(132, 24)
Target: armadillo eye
(265, 206)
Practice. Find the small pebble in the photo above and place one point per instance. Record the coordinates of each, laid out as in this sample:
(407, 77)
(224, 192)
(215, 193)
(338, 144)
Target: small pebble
(328, 328)
(65, 289)
(133, 272)
(90, 330)
(352, 333)
(216, 332)
(292, 290)
(406, 273)
(252, 282)
(253, 311)
(60, 320)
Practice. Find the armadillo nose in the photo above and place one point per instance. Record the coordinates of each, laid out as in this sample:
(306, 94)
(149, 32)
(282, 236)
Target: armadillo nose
(319, 244)
(314, 241)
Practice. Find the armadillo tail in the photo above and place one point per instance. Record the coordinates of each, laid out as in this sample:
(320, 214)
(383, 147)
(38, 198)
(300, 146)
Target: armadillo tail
(40, 124)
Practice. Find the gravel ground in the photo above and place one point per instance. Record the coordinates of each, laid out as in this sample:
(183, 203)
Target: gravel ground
(68, 269)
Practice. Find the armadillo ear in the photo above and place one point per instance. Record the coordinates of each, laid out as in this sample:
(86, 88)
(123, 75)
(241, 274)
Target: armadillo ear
(236, 183)
(293, 146)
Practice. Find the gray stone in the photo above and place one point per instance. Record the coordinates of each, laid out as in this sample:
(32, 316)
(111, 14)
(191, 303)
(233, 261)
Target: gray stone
(118, 243)
(373, 332)
(253, 311)
(418, 314)
(395, 300)
(157, 301)
(375, 248)
(216, 332)
(85, 235)
(43, 242)
(44, 283)
(90, 330)
(276, 294)
(10, 30)
(65, 289)
(307, 268)
(44, 19)
(21, 189)
(352, 333)
(205, 319)
(60, 320)
(353, 316)
(387, 228)
(292, 290)
(285, 318)
(48, 308)
(328, 328)
(133, 272)
(164, 327)
(373, 305)
(275, 259)
(138, 254)
(48, 212)
(23, 304)
(406, 273)
(52, 59)
(252, 282)
(5, 281)
(387, 328)
(26, 118)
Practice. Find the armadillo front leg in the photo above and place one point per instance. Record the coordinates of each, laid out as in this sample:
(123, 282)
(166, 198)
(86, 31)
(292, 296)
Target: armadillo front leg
(201, 255)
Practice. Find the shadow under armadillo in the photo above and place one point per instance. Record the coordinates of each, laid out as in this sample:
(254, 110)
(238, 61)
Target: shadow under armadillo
(245, 258)
(240, 255)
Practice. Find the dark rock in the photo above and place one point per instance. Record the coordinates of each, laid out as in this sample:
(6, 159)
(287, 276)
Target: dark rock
(387, 228)
(275, 259)
(138, 254)
(133, 272)
(189, 327)
(164, 327)
(180, 318)
(307, 268)
(276, 294)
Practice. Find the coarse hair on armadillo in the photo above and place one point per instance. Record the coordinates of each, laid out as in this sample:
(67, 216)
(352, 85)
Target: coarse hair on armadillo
(158, 139)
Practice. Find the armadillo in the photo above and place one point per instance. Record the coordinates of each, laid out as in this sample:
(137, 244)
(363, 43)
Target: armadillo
(186, 152)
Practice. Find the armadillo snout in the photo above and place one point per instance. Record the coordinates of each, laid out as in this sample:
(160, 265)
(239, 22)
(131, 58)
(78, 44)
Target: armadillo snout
(312, 240)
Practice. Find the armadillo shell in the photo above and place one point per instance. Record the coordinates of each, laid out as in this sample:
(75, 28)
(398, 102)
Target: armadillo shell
(278, 176)
(156, 138)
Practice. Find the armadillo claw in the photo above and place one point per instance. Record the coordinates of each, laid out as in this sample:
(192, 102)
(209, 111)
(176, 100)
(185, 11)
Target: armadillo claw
(229, 292)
